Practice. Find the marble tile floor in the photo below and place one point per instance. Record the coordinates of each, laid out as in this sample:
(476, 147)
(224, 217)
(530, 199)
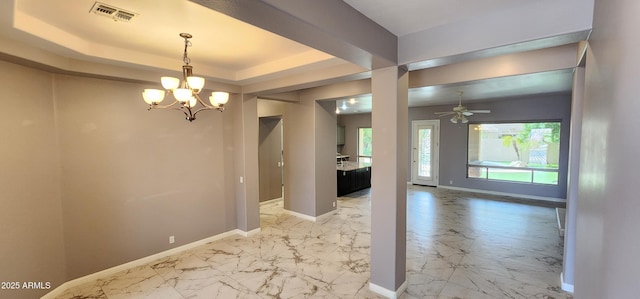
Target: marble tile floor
(459, 245)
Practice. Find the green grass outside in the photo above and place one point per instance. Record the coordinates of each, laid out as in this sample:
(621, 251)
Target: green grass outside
(539, 177)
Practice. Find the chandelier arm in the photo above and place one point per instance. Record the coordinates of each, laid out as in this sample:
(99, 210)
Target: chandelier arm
(190, 116)
(206, 106)
(181, 108)
(213, 108)
(186, 110)
(169, 106)
(203, 103)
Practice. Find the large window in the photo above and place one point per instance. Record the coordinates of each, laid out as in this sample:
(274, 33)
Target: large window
(364, 145)
(515, 152)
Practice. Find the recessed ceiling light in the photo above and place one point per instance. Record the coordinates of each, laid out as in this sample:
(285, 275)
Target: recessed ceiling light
(352, 101)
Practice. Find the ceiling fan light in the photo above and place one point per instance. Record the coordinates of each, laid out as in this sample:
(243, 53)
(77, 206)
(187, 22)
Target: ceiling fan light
(454, 120)
(464, 120)
(170, 83)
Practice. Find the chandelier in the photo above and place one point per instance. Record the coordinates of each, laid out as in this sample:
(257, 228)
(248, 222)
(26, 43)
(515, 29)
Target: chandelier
(186, 91)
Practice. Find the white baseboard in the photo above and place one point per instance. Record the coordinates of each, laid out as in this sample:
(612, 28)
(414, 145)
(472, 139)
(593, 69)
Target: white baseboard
(310, 218)
(139, 262)
(266, 202)
(560, 217)
(250, 233)
(300, 215)
(565, 286)
(504, 193)
(386, 292)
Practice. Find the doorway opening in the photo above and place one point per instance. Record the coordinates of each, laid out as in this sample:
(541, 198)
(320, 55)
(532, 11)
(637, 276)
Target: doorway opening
(270, 158)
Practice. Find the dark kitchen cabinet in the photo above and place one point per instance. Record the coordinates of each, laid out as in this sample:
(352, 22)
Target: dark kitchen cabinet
(353, 180)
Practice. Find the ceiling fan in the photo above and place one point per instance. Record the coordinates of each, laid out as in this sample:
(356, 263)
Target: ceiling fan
(460, 112)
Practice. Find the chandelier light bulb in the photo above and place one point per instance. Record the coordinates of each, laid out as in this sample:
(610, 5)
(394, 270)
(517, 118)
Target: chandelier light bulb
(170, 83)
(195, 83)
(182, 94)
(153, 96)
(218, 98)
(192, 102)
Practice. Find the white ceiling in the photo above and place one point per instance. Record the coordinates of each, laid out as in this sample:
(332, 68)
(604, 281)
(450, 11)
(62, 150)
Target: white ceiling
(409, 16)
(231, 51)
(502, 88)
(222, 47)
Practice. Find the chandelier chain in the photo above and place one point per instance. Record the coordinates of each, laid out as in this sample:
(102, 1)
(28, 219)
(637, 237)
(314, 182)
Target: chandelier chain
(186, 58)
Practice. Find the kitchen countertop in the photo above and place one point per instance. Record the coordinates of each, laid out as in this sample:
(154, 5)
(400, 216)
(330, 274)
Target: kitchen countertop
(347, 165)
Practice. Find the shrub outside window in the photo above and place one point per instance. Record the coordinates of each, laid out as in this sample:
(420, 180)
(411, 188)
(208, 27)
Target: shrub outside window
(364, 145)
(514, 152)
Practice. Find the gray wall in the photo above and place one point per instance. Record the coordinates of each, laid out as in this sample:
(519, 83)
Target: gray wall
(325, 157)
(131, 178)
(31, 215)
(299, 157)
(246, 140)
(453, 139)
(93, 180)
(309, 130)
(607, 263)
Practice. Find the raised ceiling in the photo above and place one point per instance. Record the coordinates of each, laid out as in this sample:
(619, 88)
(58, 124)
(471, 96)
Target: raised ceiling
(222, 47)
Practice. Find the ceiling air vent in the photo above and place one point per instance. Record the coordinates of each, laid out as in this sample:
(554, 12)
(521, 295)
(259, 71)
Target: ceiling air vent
(112, 12)
(123, 16)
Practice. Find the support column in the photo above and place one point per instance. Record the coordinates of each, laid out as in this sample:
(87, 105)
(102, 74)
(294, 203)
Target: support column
(247, 195)
(389, 181)
(569, 257)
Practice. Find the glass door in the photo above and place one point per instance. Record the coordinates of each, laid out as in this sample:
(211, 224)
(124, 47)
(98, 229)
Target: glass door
(424, 160)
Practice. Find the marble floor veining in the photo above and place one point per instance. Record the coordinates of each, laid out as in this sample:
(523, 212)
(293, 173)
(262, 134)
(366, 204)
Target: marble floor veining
(459, 245)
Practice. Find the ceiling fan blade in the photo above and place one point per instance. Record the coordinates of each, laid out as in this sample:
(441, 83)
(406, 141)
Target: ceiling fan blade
(467, 113)
(444, 113)
(479, 111)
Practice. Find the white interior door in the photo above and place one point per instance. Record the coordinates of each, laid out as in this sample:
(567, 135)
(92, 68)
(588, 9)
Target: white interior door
(425, 138)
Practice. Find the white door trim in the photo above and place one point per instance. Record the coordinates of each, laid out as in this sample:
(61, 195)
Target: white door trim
(435, 155)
